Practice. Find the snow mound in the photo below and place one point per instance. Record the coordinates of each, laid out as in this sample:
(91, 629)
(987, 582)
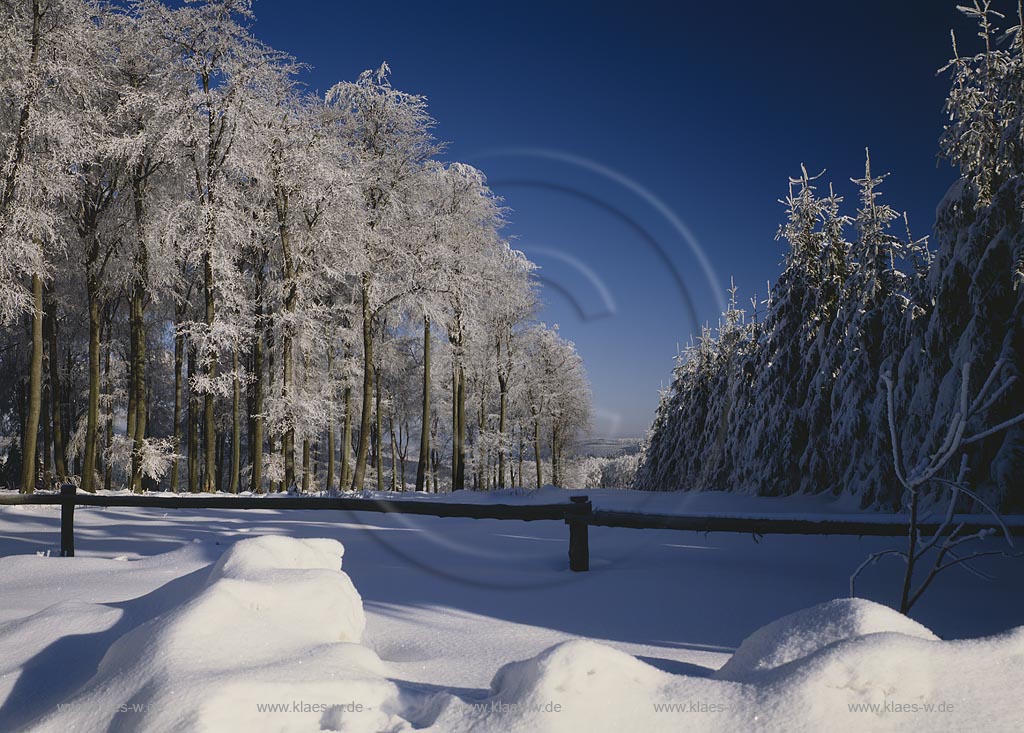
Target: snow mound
(257, 555)
(571, 669)
(268, 639)
(850, 665)
(583, 686)
(891, 681)
(806, 631)
(277, 623)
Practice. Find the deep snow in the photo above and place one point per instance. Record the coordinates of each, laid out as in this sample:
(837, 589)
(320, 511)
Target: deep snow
(450, 604)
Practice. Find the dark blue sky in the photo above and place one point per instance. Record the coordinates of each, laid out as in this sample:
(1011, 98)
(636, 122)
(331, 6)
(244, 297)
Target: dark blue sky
(610, 129)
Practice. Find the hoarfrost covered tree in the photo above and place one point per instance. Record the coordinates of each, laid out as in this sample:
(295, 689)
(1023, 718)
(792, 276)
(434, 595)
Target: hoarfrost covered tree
(390, 134)
(557, 396)
(298, 178)
(220, 56)
(512, 301)
(469, 216)
(146, 133)
(51, 57)
(210, 261)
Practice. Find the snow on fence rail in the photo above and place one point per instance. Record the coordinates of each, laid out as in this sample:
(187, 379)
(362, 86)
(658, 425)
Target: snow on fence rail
(578, 514)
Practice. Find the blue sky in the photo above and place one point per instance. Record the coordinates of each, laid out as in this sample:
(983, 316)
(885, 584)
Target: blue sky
(627, 137)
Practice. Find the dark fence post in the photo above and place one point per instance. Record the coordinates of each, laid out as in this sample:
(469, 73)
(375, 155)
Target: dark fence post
(577, 516)
(67, 520)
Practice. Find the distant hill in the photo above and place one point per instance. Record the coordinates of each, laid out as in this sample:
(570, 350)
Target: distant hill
(609, 447)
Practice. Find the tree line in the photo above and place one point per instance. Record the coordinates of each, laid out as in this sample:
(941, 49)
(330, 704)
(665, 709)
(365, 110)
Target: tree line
(788, 396)
(213, 279)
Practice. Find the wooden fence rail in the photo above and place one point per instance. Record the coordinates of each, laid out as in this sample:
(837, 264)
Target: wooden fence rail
(779, 525)
(578, 514)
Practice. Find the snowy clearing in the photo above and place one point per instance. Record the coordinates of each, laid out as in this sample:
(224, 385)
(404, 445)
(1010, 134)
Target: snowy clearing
(196, 634)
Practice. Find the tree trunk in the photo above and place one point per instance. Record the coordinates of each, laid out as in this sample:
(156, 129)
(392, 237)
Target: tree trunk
(424, 455)
(221, 451)
(364, 419)
(331, 441)
(908, 573)
(138, 336)
(179, 355)
(138, 327)
(346, 441)
(256, 415)
(459, 481)
(502, 410)
(92, 418)
(536, 448)
(403, 439)
(394, 452)
(256, 408)
(482, 453)
(271, 439)
(522, 448)
(35, 388)
(132, 387)
(44, 421)
(305, 465)
(76, 467)
(290, 299)
(329, 483)
(209, 416)
(455, 420)
(556, 468)
(435, 468)
(379, 432)
(288, 439)
(22, 392)
(108, 388)
(305, 438)
(236, 426)
(193, 428)
(56, 396)
(458, 422)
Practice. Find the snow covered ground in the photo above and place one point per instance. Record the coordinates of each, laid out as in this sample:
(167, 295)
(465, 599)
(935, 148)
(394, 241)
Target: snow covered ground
(165, 616)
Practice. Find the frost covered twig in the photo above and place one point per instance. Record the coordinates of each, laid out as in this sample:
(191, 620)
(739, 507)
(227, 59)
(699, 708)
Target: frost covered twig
(926, 470)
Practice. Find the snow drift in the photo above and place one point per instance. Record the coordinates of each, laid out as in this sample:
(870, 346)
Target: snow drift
(270, 641)
(276, 623)
(847, 664)
(800, 634)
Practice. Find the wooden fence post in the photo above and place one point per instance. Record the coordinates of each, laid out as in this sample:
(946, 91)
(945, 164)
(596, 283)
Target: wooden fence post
(577, 517)
(67, 520)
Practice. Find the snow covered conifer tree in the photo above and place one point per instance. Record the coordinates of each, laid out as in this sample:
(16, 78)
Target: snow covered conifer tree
(841, 315)
(978, 312)
(868, 332)
(784, 370)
